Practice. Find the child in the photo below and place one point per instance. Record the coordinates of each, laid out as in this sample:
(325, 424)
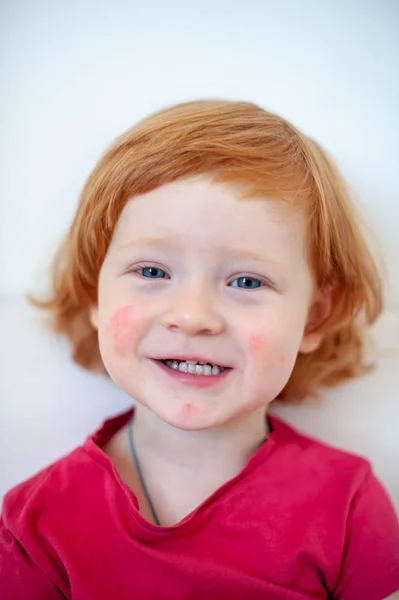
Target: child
(215, 264)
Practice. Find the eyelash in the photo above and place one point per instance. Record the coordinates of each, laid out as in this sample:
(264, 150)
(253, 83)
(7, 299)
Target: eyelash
(148, 266)
(152, 266)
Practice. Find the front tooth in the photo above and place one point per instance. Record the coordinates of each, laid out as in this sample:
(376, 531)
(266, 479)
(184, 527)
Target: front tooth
(207, 370)
(191, 367)
(199, 369)
(175, 365)
(183, 367)
(215, 370)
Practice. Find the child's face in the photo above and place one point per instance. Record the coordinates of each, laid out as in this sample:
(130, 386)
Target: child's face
(193, 271)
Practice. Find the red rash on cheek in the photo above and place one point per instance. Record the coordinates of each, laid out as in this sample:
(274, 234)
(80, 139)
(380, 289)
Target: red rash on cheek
(120, 326)
(259, 346)
(257, 342)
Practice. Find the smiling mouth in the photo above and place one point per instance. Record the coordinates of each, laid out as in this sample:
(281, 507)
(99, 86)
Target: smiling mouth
(194, 368)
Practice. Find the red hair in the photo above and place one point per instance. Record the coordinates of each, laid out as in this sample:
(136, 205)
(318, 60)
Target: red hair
(232, 142)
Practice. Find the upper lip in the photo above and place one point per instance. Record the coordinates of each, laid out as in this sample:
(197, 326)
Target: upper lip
(194, 358)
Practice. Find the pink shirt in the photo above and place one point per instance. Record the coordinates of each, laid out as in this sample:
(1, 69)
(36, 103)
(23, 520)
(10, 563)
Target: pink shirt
(301, 520)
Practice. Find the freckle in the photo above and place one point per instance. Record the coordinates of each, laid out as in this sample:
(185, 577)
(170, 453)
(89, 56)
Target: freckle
(120, 326)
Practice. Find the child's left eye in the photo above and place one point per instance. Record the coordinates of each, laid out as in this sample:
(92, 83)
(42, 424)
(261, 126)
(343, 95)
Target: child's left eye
(246, 283)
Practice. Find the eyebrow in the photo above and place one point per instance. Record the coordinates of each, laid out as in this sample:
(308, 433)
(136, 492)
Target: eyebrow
(231, 252)
(146, 241)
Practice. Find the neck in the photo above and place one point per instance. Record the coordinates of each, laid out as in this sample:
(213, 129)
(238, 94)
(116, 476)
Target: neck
(228, 446)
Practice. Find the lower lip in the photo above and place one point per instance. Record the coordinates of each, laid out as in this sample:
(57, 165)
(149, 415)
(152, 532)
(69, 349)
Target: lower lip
(192, 380)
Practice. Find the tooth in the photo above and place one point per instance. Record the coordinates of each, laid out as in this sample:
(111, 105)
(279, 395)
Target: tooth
(193, 367)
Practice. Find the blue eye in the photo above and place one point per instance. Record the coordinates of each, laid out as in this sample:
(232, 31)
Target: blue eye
(246, 283)
(152, 272)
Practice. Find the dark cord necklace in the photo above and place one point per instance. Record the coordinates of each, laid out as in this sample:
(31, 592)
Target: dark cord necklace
(136, 462)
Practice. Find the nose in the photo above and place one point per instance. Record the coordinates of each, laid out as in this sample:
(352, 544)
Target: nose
(191, 310)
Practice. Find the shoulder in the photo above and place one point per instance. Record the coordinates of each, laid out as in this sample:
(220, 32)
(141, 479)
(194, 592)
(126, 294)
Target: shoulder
(340, 490)
(52, 486)
(66, 486)
(326, 481)
(316, 459)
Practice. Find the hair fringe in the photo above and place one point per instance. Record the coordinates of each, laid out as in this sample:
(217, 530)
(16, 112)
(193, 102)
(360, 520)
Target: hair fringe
(236, 143)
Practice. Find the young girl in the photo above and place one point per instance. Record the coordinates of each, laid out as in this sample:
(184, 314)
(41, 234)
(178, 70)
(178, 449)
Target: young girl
(215, 264)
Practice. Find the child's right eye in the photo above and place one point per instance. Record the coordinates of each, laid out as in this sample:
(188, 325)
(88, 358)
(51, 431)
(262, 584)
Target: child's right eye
(152, 272)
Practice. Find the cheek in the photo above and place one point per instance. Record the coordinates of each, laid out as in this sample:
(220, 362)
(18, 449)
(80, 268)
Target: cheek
(265, 350)
(257, 342)
(121, 330)
(260, 350)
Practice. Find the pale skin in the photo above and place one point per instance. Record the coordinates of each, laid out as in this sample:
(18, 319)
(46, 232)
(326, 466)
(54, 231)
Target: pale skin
(202, 239)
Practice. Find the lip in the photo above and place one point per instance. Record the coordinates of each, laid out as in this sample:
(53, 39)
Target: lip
(192, 358)
(200, 381)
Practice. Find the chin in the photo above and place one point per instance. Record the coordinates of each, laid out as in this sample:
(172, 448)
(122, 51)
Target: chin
(190, 417)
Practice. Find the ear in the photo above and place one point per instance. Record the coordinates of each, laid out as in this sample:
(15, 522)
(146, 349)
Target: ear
(320, 309)
(93, 316)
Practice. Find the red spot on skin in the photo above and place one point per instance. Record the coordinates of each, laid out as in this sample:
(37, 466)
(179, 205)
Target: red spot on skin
(188, 410)
(257, 342)
(121, 327)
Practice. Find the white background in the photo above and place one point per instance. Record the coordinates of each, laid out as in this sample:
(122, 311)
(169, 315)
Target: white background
(76, 74)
